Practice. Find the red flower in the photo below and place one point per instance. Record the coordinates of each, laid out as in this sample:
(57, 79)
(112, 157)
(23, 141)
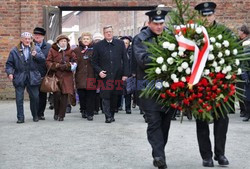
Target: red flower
(214, 81)
(182, 94)
(211, 74)
(200, 89)
(170, 93)
(226, 99)
(199, 95)
(218, 91)
(174, 86)
(200, 111)
(163, 96)
(214, 87)
(186, 101)
(209, 108)
(187, 78)
(179, 108)
(233, 77)
(174, 106)
(218, 105)
(208, 89)
(220, 76)
(200, 101)
(225, 86)
(205, 105)
(204, 82)
(214, 95)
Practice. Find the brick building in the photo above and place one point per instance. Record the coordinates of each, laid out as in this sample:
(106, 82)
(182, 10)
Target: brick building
(17, 16)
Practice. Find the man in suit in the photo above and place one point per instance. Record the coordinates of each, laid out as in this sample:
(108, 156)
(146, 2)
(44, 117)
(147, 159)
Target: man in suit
(22, 70)
(38, 34)
(158, 117)
(207, 11)
(110, 63)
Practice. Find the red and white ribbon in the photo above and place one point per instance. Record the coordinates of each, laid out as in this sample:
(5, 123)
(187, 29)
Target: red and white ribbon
(200, 56)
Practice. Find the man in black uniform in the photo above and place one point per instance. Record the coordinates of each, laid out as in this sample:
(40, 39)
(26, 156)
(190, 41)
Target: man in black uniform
(159, 118)
(207, 10)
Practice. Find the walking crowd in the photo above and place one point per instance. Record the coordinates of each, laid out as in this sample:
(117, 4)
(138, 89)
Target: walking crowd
(102, 70)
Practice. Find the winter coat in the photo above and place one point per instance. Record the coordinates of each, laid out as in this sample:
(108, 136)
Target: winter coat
(60, 62)
(24, 70)
(112, 58)
(42, 65)
(84, 68)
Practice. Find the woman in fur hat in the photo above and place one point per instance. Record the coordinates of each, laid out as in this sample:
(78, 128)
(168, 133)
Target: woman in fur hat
(62, 60)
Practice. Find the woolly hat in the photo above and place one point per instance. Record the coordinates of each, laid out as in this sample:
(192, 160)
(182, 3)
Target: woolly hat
(60, 37)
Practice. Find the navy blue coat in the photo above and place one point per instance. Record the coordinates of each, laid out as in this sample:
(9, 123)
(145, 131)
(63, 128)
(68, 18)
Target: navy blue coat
(22, 70)
(42, 65)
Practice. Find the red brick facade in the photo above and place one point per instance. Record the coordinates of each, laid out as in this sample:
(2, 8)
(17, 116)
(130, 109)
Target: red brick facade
(17, 16)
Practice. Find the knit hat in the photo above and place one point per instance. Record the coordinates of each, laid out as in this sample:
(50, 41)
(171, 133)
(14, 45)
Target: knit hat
(244, 29)
(98, 36)
(60, 37)
(26, 35)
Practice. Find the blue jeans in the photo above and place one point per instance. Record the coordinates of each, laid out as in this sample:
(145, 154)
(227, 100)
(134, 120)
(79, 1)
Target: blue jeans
(33, 92)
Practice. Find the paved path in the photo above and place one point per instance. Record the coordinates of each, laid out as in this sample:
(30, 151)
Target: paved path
(79, 144)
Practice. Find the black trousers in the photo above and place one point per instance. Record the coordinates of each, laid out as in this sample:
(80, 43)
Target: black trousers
(97, 102)
(42, 103)
(247, 111)
(87, 100)
(109, 106)
(127, 102)
(60, 103)
(157, 131)
(220, 132)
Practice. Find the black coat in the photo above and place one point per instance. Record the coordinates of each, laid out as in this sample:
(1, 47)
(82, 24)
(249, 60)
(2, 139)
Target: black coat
(112, 58)
(141, 56)
(42, 65)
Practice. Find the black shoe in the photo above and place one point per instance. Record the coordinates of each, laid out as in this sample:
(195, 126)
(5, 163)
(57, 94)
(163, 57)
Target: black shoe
(133, 105)
(120, 109)
(128, 112)
(96, 112)
(60, 119)
(55, 117)
(208, 162)
(108, 120)
(222, 160)
(242, 114)
(141, 112)
(84, 115)
(41, 118)
(145, 118)
(51, 107)
(90, 118)
(35, 119)
(159, 162)
(246, 118)
(68, 109)
(20, 121)
(112, 119)
(173, 118)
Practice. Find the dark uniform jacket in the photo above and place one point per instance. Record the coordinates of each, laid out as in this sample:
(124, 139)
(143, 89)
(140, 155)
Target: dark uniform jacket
(112, 58)
(24, 70)
(140, 54)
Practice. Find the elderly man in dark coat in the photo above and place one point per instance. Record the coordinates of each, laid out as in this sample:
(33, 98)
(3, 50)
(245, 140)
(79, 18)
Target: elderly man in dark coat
(38, 34)
(22, 70)
(110, 63)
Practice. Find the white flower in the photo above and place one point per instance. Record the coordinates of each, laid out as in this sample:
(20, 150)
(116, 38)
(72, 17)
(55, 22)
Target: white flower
(237, 62)
(211, 47)
(222, 61)
(165, 84)
(212, 39)
(215, 64)
(198, 30)
(159, 60)
(164, 68)
(227, 52)
(235, 51)
(165, 45)
(239, 71)
(171, 47)
(228, 76)
(158, 70)
(188, 71)
(217, 69)
(180, 69)
(191, 57)
(229, 68)
(220, 54)
(210, 57)
(184, 65)
(246, 43)
(174, 54)
(192, 26)
(183, 79)
(176, 80)
(173, 76)
(181, 49)
(170, 60)
(218, 45)
(206, 71)
(224, 70)
(219, 37)
(180, 53)
(225, 43)
(158, 85)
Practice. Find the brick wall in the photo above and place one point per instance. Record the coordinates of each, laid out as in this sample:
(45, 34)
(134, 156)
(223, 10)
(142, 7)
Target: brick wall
(17, 16)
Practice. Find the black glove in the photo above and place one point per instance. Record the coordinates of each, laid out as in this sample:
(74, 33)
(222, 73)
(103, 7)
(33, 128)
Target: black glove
(54, 66)
(65, 67)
